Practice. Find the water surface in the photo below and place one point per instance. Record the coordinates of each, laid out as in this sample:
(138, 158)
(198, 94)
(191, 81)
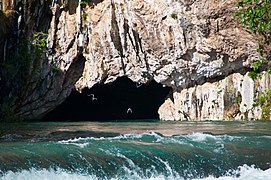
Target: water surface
(136, 150)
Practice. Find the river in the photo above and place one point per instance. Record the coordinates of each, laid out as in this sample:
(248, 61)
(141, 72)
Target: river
(136, 150)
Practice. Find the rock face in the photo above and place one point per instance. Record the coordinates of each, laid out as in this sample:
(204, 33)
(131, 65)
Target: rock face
(35, 79)
(186, 45)
(232, 98)
(176, 43)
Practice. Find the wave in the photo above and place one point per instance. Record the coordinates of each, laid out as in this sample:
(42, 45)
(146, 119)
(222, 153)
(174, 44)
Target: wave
(11, 137)
(153, 137)
(139, 156)
(244, 172)
(45, 175)
(200, 137)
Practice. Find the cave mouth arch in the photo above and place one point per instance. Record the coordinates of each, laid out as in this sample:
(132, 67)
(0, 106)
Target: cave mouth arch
(121, 100)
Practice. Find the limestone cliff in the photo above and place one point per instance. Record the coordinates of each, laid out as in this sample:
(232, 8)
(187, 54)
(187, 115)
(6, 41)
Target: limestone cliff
(194, 47)
(233, 98)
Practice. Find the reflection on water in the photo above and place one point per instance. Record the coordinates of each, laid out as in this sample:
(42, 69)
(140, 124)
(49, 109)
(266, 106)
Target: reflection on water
(133, 127)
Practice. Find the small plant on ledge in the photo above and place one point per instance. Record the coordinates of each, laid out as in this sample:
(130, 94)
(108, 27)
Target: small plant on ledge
(174, 16)
(85, 2)
(39, 42)
(84, 16)
(264, 101)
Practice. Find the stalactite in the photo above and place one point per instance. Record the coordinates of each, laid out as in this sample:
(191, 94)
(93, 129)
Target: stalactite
(19, 22)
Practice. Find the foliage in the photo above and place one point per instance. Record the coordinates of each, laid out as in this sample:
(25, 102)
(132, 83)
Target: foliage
(174, 16)
(84, 75)
(56, 70)
(239, 99)
(255, 69)
(26, 52)
(84, 16)
(256, 15)
(39, 42)
(85, 2)
(17, 71)
(264, 100)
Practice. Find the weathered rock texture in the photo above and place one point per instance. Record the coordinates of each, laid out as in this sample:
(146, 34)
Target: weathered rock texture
(177, 43)
(33, 83)
(181, 44)
(234, 97)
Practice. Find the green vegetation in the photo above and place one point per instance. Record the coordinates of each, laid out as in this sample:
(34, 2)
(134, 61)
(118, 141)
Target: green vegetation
(84, 16)
(239, 99)
(264, 101)
(85, 2)
(84, 75)
(18, 69)
(29, 50)
(39, 42)
(256, 15)
(56, 70)
(174, 16)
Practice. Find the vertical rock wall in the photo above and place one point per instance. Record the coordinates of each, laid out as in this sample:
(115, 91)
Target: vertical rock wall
(233, 98)
(43, 57)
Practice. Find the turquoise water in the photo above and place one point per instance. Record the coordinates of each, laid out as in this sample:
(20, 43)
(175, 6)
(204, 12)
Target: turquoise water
(136, 150)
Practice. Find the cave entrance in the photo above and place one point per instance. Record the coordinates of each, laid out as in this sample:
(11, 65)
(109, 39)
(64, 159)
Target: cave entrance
(121, 100)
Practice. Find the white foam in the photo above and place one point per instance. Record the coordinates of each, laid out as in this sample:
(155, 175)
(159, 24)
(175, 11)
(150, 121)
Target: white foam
(120, 137)
(136, 136)
(198, 137)
(244, 172)
(60, 175)
(45, 175)
(267, 137)
(80, 142)
(86, 141)
(201, 137)
(74, 140)
(180, 139)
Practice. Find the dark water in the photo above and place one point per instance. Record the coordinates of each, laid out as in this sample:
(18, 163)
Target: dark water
(136, 150)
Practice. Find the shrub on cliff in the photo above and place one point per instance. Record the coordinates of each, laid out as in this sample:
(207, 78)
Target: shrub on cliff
(256, 15)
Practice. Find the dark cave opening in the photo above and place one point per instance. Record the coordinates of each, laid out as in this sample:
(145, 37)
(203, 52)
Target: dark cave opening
(121, 100)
